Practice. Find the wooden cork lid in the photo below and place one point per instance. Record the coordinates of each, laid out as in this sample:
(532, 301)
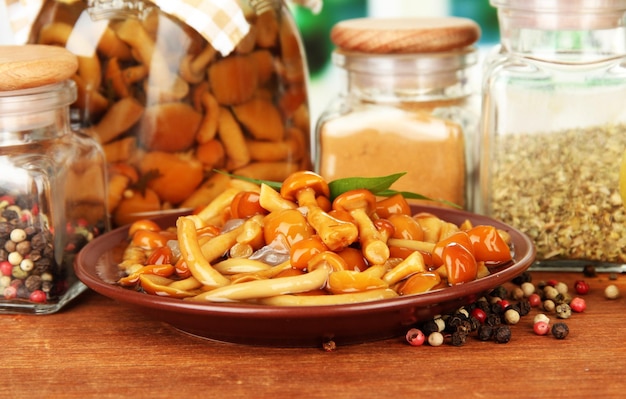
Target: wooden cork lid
(404, 35)
(33, 65)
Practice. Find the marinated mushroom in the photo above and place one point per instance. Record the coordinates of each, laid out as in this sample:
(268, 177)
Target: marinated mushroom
(361, 204)
(193, 68)
(303, 187)
(119, 118)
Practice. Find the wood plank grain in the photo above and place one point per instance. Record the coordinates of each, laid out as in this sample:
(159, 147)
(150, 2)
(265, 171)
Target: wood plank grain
(100, 348)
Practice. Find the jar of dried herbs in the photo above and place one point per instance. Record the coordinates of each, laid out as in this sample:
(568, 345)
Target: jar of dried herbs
(554, 128)
(405, 104)
(52, 184)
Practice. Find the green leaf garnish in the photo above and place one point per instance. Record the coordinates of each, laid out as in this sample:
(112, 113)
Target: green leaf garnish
(373, 184)
(379, 186)
(275, 185)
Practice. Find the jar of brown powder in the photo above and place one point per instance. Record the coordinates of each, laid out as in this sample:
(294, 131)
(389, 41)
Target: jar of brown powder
(405, 105)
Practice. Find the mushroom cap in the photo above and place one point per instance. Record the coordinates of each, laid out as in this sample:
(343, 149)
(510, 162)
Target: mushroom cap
(356, 199)
(303, 179)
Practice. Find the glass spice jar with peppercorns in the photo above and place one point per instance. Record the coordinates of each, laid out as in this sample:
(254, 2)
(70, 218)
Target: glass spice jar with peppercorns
(52, 185)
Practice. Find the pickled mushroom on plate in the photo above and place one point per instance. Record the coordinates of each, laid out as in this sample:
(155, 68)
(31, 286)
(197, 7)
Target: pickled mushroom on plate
(263, 244)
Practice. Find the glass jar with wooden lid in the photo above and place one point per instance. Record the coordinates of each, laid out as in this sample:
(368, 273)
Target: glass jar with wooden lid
(52, 185)
(405, 105)
(554, 128)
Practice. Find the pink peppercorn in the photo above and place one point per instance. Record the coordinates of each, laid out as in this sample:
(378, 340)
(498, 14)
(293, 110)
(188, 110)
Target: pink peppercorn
(38, 296)
(10, 200)
(6, 268)
(581, 287)
(541, 328)
(10, 292)
(479, 315)
(534, 300)
(415, 337)
(578, 305)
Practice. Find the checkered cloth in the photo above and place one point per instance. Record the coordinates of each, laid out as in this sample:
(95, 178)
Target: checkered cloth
(21, 14)
(221, 22)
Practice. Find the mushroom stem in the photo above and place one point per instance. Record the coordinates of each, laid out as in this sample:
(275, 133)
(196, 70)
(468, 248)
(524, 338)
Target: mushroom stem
(271, 200)
(374, 248)
(413, 263)
(193, 67)
(360, 203)
(335, 233)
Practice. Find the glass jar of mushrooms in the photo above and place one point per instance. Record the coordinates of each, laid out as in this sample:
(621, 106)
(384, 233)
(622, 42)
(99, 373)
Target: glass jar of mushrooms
(173, 98)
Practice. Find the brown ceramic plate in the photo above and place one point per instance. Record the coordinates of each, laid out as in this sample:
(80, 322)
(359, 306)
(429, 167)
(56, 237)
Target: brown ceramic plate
(96, 266)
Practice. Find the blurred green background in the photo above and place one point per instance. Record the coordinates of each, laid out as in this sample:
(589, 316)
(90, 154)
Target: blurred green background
(315, 28)
(315, 32)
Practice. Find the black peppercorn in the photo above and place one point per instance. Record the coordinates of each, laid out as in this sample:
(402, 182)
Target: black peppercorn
(474, 323)
(9, 214)
(493, 319)
(499, 292)
(483, 305)
(589, 271)
(502, 335)
(458, 338)
(560, 330)
(429, 327)
(523, 307)
(33, 282)
(496, 308)
(454, 321)
(485, 332)
(522, 278)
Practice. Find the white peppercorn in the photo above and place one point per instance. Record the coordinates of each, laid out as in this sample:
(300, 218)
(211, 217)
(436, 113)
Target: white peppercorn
(549, 305)
(528, 288)
(517, 293)
(511, 316)
(550, 292)
(561, 287)
(5, 281)
(15, 258)
(27, 265)
(18, 235)
(541, 317)
(611, 291)
(441, 324)
(435, 339)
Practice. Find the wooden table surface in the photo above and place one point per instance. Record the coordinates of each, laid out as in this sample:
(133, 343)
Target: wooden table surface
(97, 347)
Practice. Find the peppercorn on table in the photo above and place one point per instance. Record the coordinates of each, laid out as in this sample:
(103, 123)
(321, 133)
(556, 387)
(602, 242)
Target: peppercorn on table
(99, 348)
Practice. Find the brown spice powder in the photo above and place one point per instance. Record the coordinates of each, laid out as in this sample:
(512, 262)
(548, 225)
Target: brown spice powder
(562, 189)
(377, 143)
